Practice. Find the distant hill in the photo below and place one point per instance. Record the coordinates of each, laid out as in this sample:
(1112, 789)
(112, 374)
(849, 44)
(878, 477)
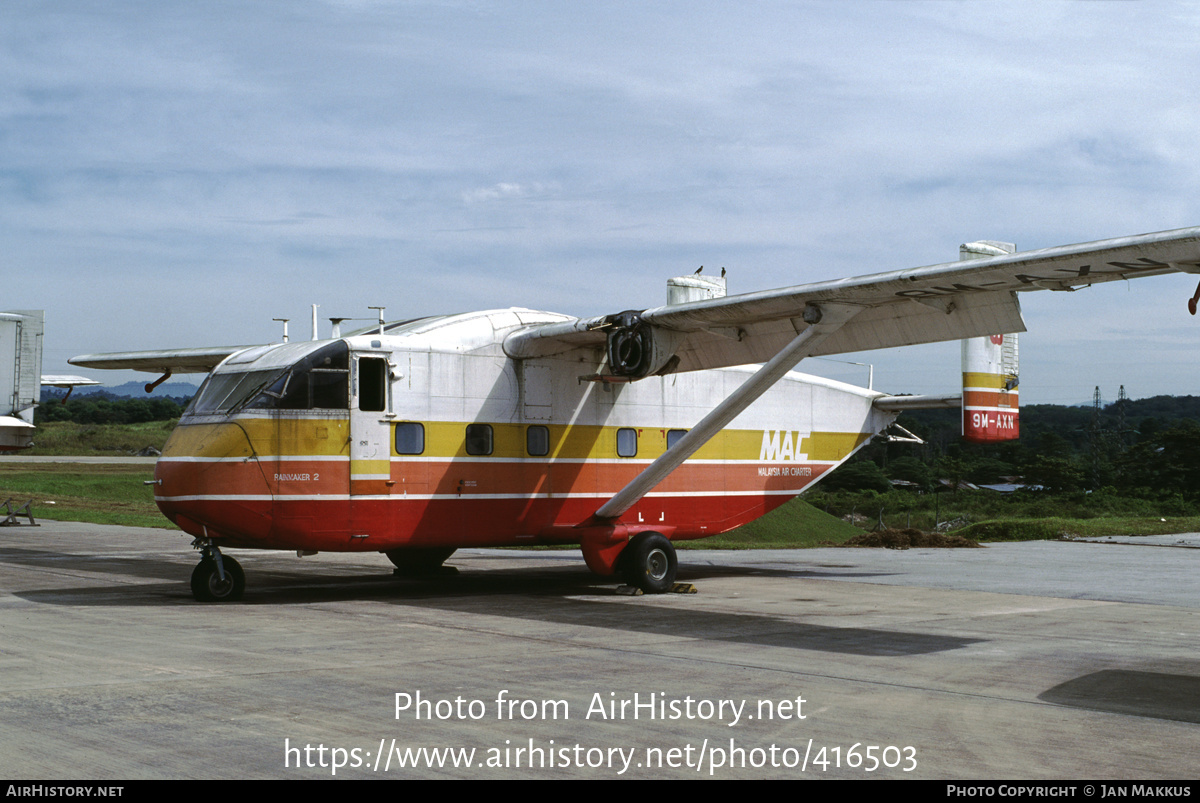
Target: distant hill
(132, 390)
(1168, 407)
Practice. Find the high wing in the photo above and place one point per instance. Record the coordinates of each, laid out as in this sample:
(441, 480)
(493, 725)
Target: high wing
(951, 301)
(954, 301)
(66, 381)
(178, 361)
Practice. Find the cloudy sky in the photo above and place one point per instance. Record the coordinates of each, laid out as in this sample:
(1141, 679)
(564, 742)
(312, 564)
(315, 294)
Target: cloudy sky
(178, 173)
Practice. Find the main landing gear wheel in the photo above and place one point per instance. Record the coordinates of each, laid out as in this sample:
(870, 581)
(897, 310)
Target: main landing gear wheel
(420, 561)
(649, 563)
(207, 585)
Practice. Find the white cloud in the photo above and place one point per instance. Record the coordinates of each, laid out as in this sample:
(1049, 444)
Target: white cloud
(505, 190)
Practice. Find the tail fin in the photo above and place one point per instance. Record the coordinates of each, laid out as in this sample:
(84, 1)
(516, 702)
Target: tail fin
(989, 368)
(989, 398)
(20, 362)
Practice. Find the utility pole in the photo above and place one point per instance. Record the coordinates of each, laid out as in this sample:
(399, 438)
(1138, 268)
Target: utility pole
(1122, 401)
(1095, 438)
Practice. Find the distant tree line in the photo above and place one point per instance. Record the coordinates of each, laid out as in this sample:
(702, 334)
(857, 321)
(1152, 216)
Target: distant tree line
(101, 408)
(1148, 449)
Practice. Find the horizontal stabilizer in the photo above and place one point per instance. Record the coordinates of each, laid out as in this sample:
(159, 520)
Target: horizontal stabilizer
(902, 403)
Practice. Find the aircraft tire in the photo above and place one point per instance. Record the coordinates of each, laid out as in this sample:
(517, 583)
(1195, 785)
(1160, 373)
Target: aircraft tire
(649, 563)
(207, 585)
(418, 561)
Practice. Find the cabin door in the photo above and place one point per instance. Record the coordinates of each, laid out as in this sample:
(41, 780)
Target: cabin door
(370, 445)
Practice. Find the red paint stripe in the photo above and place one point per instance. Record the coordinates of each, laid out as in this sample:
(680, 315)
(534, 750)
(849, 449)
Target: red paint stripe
(316, 477)
(331, 525)
(984, 398)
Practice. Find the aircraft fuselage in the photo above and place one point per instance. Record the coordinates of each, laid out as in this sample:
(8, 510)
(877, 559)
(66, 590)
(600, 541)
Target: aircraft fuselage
(430, 436)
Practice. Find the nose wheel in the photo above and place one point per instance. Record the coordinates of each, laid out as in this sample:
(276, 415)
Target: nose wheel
(217, 577)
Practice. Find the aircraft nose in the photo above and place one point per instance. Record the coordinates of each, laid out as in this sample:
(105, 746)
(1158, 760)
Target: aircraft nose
(211, 483)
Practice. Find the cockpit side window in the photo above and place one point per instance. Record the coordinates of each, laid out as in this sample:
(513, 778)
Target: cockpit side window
(319, 381)
(328, 388)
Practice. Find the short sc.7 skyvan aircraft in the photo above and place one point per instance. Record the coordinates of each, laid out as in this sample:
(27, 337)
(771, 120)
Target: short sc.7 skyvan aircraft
(620, 433)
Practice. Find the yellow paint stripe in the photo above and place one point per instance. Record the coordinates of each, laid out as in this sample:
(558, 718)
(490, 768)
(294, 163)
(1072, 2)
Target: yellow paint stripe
(975, 379)
(282, 436)
(446, 439)
(215, 440)
(330, 437)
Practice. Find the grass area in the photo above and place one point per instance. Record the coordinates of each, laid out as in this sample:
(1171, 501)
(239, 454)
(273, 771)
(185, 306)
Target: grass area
(68, 438)
(1056, 527)
(795, 525)
(101, 494)
(799, 525)
(988, 516)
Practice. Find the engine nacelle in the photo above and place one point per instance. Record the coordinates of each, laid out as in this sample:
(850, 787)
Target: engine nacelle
(636, 349)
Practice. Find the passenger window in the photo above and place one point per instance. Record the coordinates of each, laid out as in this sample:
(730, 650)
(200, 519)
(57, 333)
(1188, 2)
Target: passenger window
(626, 442)
(673, 436)
(410, 438)
(479, 439)
(372, 384)
(537, 441)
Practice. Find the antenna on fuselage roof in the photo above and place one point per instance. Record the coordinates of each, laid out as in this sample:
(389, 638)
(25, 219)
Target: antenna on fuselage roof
(381, 309)
(869, 366)
(314, 334)
(285, 323)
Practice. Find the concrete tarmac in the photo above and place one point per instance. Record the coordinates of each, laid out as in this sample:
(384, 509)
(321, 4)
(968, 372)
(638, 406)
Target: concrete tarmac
(1020, 661)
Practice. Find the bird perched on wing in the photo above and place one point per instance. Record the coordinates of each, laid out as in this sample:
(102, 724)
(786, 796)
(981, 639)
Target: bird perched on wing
(697, 273)
(722, 273)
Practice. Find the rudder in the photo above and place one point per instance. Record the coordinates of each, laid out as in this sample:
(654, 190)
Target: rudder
(989, 395)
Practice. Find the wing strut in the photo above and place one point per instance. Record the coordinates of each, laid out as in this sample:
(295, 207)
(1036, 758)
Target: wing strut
(823, 321)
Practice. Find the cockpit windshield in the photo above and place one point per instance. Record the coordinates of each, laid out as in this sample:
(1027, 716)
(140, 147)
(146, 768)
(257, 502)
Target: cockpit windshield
(222, 392)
